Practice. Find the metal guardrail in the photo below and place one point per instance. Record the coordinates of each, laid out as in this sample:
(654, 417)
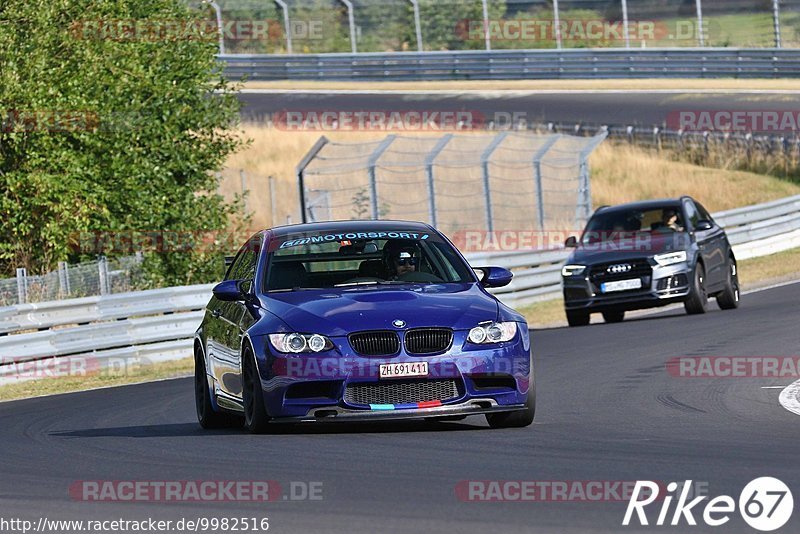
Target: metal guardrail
(159, 324)
(520, 64)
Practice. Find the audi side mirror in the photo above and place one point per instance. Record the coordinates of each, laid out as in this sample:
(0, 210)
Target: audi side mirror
(703, 225)
(571, 242)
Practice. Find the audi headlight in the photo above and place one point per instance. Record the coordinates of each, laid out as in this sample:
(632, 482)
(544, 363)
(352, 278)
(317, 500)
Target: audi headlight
(492, 332)
(572, 270)
(297, 343)
(670, 258)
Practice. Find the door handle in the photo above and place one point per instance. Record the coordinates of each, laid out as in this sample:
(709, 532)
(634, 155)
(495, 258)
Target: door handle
(216, 313)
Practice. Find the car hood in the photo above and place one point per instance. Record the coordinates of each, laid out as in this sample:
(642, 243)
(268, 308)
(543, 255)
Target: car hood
(339, 311)
(644, 246)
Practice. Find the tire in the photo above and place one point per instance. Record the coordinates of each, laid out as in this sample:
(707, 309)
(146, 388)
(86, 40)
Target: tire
(206, 415)
(728, 299)
(518, 418)
(614, 316)
(256, 420)
(578, 317)
(697, 301)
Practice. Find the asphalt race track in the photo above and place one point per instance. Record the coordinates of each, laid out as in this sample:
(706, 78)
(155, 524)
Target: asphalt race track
(607, 411)
(587, 107)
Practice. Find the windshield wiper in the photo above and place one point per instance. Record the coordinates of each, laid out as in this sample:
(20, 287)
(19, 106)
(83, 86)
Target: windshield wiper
(362, 283)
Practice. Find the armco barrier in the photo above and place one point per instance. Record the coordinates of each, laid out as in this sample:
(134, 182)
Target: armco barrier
(520, 64)
(159, 324)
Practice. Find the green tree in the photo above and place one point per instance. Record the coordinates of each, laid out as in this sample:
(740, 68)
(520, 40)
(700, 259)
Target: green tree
(112, 119)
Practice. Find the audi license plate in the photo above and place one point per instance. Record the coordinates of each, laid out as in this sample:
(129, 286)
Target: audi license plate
(401, 370)
(622, 285)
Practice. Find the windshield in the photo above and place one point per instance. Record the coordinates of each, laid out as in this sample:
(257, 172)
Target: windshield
(327, 260)
(614, 225)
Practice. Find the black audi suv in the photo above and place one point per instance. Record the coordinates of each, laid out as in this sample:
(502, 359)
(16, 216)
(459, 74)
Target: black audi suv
(647, 254)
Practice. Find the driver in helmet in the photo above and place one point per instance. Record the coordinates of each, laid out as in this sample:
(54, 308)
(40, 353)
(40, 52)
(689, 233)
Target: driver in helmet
(400, 258)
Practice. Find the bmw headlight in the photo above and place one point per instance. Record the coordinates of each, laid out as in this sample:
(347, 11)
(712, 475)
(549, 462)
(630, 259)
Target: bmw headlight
(491, 332)
(670, 258)
(297, 343)
(572, 270)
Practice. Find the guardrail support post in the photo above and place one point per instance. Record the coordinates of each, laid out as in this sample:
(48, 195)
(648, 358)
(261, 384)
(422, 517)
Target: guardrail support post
(373, 179)
(22, 285)
(776, 17)
(286, 25)
(429, 161)
(417, 24)
(537, 174)
(102, 271)
(301, 169)
(63, 278)
(701, 38)
(487, 192)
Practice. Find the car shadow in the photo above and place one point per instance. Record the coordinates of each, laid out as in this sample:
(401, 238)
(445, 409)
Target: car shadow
(194, 429)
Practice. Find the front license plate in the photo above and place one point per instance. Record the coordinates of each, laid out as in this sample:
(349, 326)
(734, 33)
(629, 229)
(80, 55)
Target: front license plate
(399, 370)
(622, 285)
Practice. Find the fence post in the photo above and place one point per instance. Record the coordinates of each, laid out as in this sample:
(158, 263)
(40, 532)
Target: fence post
(352, 23)
(272, 200)
(557, 23)
(776, 17)
(701, 38)
(486, 37)
(625, 24)
(63, 278)
(102, 271)
(417, 24)
(218, 13)
(22, 285)
(487, 193)
(286, 25)
(584, 208)
(243, 178)
(301, 169)
(429, 161)
(373, 180)
(537, 175)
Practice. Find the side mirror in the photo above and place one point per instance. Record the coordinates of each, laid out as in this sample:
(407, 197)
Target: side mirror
(495, 276)
(229, 291)
(571, 242)
(703, 225)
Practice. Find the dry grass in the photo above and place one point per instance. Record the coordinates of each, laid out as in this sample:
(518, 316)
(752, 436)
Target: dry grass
(523, 85)
(620, 173)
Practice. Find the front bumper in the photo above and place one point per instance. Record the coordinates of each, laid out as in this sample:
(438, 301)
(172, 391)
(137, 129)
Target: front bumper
(664, 285)
(480, 379)
(339, 414)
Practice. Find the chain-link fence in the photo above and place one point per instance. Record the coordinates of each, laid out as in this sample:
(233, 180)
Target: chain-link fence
(320, 26)
(491, 182)
(101, 277)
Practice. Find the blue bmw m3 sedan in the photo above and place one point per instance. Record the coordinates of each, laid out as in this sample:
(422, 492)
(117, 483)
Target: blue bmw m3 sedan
(359, 321)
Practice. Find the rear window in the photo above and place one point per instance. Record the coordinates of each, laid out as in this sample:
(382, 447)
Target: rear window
(327, 260)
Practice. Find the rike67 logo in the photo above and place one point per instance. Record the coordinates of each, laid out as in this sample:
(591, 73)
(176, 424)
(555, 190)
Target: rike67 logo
(765, 504)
